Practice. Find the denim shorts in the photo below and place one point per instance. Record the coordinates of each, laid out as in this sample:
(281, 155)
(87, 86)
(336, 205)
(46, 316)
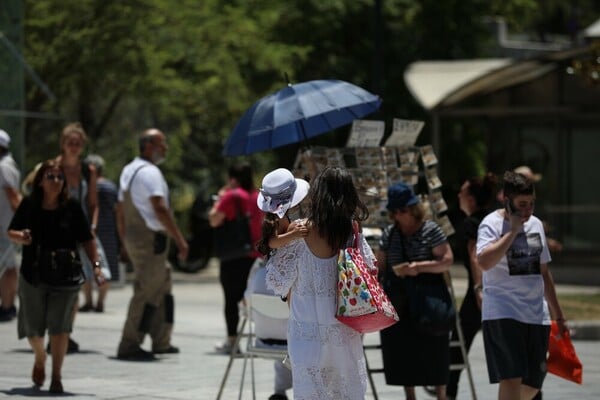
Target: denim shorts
(514, 349)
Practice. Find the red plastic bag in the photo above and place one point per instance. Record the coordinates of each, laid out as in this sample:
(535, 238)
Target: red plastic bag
(562, 359)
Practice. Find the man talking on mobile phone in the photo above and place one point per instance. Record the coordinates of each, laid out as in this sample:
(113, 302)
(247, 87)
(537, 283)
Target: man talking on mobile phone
(518, 292)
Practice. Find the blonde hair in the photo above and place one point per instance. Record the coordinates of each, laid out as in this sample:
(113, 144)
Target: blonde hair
(73, 127)
(417, 211)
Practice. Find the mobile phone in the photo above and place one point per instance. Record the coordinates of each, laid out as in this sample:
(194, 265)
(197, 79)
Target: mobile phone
(511, 208)
(398, 268)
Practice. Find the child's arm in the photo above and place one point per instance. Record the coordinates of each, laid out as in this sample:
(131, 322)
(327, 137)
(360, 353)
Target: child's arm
(294, 230)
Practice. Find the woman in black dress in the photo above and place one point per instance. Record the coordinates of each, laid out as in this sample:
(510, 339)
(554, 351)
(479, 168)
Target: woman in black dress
(413, 250)
(475, 199)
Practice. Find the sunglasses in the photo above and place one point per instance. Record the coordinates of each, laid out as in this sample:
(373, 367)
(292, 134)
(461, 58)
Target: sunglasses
(52, 177)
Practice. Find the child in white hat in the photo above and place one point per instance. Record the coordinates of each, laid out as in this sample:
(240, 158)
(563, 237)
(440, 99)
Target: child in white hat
(280, 192)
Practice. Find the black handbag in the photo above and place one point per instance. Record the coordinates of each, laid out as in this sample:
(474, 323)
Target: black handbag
(232, 239)
(59, 267)
(430, 307)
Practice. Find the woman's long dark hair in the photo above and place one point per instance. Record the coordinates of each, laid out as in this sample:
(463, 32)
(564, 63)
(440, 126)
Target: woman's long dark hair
(243, 174)
(37, 193)
(269, 229)
(483, 190)
(334, 204)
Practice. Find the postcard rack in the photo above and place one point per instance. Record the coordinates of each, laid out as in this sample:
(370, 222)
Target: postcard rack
(374, 169)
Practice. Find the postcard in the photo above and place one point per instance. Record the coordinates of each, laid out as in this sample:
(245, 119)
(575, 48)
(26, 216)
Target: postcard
(404, 133)
(365, 133)
(428, 156)
(437, 201)
(433, 181)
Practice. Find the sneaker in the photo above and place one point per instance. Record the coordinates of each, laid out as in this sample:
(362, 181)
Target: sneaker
(138, 354)
(168, 350)
(278, 396)
(86, 307)
(7, 314)
(73, 347)
(225, 347)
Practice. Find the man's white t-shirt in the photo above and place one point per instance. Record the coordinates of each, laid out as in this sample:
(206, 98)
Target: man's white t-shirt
(147, 182)
(514, 288)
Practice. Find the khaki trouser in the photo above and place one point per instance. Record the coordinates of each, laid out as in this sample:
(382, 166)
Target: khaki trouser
(151, 307)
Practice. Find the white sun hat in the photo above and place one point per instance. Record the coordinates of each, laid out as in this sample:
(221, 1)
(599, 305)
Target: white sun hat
(280, 191)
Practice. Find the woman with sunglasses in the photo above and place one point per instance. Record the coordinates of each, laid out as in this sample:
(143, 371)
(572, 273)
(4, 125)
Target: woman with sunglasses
(48, 224)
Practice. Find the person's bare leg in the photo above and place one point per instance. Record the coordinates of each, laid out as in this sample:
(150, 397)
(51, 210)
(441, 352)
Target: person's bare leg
(102, 290)
(440, 391)
(39, 363)
(88, 301)
(510, 389)
(59, 344)
(528, 392)
(409, 391)
(73, 314)
(8, 287)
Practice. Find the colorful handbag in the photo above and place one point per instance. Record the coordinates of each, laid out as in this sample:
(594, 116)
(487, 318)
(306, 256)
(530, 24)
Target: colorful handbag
(562, 359)
(361, 302)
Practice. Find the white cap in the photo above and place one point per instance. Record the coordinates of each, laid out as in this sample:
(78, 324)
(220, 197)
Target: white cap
(4, 139)
(280, 191)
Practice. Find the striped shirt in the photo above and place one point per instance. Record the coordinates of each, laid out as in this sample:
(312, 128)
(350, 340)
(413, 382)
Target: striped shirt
(418, 247)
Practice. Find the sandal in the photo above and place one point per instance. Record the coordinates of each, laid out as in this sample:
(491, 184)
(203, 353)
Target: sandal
(56, 386)
(86, 307)
(38, 375)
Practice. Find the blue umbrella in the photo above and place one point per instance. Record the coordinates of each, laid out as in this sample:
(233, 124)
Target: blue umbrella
(299, 112)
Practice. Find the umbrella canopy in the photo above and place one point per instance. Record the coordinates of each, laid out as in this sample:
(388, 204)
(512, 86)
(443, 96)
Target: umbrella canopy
(299, 112)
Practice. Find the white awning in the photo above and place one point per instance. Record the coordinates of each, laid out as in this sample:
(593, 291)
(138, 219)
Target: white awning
(430, 82)
(444, 83)
(592, 31)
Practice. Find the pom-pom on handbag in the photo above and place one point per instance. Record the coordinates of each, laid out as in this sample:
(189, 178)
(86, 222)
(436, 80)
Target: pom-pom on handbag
(361, 302)
(562, 359)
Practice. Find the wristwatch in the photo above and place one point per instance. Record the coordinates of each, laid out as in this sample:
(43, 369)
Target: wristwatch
(96, 264)
(478, 287)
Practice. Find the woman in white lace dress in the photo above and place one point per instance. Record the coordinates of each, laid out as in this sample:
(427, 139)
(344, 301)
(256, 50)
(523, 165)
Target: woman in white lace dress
(327, 356)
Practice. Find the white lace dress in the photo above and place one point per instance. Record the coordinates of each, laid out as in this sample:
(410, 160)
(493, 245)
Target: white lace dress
(327, 357)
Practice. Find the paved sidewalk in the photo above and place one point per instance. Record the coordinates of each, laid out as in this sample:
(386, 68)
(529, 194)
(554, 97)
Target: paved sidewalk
(196, 373)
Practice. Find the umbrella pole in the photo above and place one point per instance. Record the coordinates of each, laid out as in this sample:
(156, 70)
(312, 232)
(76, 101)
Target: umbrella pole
(307, 156)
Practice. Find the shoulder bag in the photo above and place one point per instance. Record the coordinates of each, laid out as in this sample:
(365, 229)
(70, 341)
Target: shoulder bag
(430, 307)
(361, 301)
(59, 267)
(232, 239)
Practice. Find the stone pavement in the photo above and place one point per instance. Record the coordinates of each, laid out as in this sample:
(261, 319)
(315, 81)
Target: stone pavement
(196, 373)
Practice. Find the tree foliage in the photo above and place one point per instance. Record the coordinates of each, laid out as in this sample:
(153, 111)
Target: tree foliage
(191, 68)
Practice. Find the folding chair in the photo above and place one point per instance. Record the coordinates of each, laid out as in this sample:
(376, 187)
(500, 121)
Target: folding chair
(265, 305)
